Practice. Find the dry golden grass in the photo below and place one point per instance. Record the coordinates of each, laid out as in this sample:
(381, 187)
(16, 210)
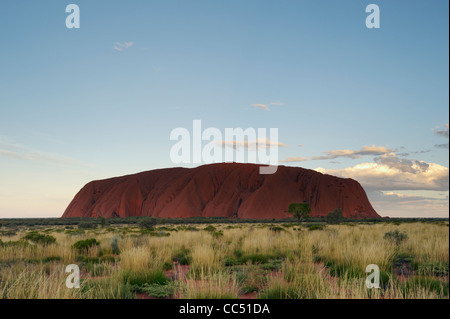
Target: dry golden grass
(252, 251)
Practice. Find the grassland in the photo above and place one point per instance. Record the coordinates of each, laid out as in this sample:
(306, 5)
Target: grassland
(244, 260)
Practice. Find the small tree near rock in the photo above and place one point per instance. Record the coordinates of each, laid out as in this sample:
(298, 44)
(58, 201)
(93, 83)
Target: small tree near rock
(300, 210)
(335, 217)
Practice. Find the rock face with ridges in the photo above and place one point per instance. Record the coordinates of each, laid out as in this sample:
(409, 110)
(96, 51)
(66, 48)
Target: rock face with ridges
(231, 190)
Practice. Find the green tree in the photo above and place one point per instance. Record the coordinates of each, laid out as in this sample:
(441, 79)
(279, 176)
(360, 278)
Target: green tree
(300, 210)
(335, 217)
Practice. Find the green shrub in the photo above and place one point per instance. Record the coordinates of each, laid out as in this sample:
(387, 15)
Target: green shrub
(384, 278)
(429, 283)
(51, 258)
(344, 270)
(238, 253)
(159, 234)
(335, 217)
(440, 269)
(218, 234)
(258, 258)
(316, 227)
(115, 246)
(280, 291)
(148, 223)
(96, 269)
(8, 233)
(210, 228)
(87, 225)
(250, 278)
(102, 289)
(230, 261)
(37, 238)
(167, 266)
(74, 231)
(141, 278)
(83, 245)
(108, 259)
(17, 243)
(157, 290)
(274, 264)
(183, 257)
(396, 236)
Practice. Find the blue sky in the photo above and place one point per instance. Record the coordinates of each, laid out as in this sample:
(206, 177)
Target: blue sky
(81, 104)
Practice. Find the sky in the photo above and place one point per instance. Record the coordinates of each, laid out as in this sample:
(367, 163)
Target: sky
(101, 100)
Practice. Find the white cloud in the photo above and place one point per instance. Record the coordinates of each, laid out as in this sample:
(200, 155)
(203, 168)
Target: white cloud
(354, 154)
(277, 103)
(294, 159)
(262, 106)
(444, 146)
(20, 152)
(443, 133)
(389, 173)
(122, 46)
(266, 107)
(395, 204)
(259, 143)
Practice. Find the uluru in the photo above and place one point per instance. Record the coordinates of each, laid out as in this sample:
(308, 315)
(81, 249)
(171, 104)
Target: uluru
(233, 190)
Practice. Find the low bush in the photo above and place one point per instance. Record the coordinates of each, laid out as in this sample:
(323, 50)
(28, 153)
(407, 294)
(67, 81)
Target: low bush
(210, 228)
(396, 236)
(428, 283)
(142, 278)
(183, 256)
(335, 217)
(148, 223)
(83, 245)
(115, 246)
(217, 234)
(87, 225)
(37, 238)
(157, 290)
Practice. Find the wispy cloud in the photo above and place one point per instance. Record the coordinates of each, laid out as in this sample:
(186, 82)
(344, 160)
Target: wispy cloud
(122, 46)
(442, 132)
(276, 103)
(294, 159)
(262, 106)
(266, 106)
(354, 154)
(444, 146)
(406, 154)
(258, 143)
(21, 152)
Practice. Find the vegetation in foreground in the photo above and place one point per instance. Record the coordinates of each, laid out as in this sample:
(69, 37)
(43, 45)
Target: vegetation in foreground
(225, 260)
